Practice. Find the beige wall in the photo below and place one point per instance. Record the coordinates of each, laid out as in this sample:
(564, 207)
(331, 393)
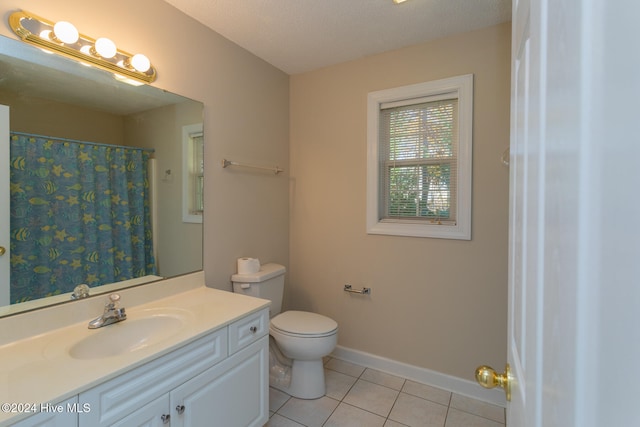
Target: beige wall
(246, 117)
(437, 304)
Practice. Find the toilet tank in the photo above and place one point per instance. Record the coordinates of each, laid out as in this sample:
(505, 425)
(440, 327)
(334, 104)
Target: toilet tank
(267, 283)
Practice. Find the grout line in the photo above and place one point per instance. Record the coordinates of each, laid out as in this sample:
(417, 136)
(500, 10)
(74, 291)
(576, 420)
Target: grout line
(394, 403)
(332, 412)
(359, 378)
(448, 408)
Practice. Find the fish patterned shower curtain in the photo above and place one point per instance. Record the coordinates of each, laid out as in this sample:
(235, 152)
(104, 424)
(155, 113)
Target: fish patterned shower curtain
(80, 213)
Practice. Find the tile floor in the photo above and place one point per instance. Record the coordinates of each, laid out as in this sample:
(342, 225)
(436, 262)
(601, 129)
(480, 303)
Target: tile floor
(359, 396)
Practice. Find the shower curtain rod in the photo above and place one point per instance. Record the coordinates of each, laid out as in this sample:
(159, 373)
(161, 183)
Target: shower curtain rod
(99, 144)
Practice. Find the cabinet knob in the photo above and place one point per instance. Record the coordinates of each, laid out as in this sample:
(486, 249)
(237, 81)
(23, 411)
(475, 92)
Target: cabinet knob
(180, 409)
(165, 418)
(253, 329)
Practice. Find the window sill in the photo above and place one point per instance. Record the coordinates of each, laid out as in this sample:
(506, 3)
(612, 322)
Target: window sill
(420, 230)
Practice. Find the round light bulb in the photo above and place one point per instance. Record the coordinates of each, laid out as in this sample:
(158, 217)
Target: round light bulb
(66, 32)
(105, 47)
(140, 62)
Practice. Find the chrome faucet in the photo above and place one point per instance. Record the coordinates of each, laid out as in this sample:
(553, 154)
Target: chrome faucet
(112, 313)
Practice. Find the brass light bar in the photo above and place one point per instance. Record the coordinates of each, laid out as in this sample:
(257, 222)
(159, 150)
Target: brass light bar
(39, 32)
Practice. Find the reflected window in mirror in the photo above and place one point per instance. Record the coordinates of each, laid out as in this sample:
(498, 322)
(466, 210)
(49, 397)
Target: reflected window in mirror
(193, 173)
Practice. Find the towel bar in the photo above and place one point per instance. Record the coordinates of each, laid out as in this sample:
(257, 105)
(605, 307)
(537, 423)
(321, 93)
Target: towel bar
(364, 291)
(275, 169)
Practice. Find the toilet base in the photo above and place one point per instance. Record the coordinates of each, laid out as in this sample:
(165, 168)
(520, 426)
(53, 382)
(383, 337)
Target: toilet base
(307, 380)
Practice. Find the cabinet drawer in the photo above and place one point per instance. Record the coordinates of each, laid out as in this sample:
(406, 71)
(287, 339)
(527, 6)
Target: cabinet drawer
(124, 394)
(248, 330)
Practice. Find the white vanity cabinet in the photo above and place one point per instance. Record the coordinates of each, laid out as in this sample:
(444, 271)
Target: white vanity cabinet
(220, 379)
(63, 414)
(224, 395)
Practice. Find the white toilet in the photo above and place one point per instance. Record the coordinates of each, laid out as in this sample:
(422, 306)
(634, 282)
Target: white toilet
(298, 339)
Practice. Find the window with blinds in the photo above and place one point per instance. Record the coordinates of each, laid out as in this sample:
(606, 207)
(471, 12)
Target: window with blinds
(419, 159)
(192, 173)
(197, 173)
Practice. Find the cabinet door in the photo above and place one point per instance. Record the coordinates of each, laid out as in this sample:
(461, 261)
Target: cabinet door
(63, 414)
(233, 393)
(125, 394)
(153, 414)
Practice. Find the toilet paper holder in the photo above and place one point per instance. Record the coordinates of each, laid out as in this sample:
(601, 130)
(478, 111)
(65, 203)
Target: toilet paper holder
(364, 291)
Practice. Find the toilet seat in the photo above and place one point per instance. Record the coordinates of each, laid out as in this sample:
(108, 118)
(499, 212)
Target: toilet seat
(304, 324)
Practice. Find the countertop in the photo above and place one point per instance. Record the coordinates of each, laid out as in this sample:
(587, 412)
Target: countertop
(39, 370)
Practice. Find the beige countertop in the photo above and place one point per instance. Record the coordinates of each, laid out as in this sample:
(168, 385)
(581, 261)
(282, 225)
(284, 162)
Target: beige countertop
(39, 370)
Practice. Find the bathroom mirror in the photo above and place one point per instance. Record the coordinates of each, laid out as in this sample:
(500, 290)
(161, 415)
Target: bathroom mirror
(52, 96)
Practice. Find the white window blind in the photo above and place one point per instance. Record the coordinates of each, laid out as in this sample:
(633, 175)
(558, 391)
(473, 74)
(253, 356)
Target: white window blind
(418, 161)
(197, 172)
(192, 173)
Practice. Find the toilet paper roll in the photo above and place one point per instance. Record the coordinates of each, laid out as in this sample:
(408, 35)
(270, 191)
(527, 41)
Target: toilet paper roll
(248, 265)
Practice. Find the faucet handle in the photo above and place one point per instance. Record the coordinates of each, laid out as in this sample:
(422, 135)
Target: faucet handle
(113, 302)
(80, 291)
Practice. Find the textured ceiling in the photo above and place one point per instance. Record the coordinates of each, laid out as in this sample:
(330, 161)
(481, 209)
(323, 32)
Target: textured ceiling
(303, 35)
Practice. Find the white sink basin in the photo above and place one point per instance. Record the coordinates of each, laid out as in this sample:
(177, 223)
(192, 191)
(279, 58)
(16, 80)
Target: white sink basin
(129, 335)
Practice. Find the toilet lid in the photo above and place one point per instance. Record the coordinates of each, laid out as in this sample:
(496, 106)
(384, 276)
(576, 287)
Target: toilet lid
(303, 323)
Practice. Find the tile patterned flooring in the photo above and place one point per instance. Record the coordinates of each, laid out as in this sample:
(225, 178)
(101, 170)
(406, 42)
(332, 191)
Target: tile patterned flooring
(358, 396)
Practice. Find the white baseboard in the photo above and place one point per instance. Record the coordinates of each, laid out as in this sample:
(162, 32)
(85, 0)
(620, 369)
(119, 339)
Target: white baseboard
(421, 375)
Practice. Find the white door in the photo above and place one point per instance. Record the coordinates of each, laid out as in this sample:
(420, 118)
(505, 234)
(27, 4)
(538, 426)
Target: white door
(574, 267)
(526, 222)
(4, 205)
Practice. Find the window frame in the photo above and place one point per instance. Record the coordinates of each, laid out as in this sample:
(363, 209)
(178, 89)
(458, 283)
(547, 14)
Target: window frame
(189, 214)
(460, 87)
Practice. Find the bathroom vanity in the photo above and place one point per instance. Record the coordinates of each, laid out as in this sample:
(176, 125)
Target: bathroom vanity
(188, 358)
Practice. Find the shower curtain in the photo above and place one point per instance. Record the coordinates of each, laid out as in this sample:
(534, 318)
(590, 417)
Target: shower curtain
(80, 213)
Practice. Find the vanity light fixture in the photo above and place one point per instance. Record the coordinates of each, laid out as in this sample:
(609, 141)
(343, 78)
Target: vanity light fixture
(64, 39)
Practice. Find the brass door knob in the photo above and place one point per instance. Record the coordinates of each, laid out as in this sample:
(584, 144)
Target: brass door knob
(487, 377)
(2, 250)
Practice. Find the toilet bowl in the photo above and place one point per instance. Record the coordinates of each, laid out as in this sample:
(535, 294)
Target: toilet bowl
(298, 339)
(304, 338)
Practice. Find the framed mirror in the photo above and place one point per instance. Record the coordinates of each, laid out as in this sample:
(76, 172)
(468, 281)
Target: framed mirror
(64, 104)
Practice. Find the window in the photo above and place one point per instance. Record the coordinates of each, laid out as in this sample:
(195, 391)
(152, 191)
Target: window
(419, 159)
(192, 173)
